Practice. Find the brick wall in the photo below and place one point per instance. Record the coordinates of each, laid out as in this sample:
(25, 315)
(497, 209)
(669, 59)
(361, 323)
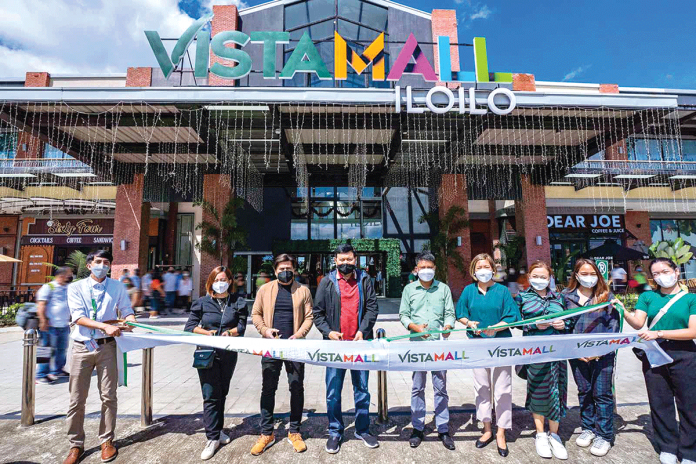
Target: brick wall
(453, 192)
(226, 19)
(638, 223)
(523, 82)
(8, 241)
(217, 189)
(617, 151)
(29, 146)
(37, 79)
(139, 77)
(131, 223)
(608, 88)
(444, 23)
(530, 219)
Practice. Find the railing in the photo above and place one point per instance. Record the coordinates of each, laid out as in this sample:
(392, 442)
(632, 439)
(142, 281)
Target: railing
(42, 165)
(622, 166)
(13, 295)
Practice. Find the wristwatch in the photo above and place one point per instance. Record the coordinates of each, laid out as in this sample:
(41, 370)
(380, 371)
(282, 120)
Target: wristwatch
(660, 334)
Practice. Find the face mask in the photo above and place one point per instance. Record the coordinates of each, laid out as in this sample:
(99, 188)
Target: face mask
(539, 284)
(588, 281)
(483, 275)
(220, 287)
(426, 275)
(285, 276)
(346, 269)
(68, 279)
(666, 281)
(99, 270)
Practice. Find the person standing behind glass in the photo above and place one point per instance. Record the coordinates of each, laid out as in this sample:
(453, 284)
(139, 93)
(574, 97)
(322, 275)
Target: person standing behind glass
(593, 376)
(547, 383)
(489, 304)
(426, 305)
(675, 331)
(282, 309)
(217, 314)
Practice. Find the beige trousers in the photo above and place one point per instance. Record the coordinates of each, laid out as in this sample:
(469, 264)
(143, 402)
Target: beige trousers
(501, 380)
(82, 365)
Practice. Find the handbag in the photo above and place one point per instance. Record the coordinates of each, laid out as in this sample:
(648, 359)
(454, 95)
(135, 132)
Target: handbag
(203, 358)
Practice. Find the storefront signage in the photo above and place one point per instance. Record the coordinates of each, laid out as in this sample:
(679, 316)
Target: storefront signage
(72, 227)
(594, 223)
(77, 240)
(235, 63)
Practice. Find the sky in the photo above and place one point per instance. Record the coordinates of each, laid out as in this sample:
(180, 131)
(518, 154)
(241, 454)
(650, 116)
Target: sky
(627, 42)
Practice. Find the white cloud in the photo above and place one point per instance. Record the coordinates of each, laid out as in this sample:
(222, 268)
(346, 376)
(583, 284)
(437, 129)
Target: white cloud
(95, 36)
(483, 13)
(575, 72)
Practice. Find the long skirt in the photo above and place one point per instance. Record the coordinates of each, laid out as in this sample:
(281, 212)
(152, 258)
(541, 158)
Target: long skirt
(547, 389)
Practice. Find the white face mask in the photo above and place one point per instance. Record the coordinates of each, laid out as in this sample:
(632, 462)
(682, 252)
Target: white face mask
(220, 287)
(426, 275)
(99, 270)
(666, 281)
(483, 275)
(539, 284)
(588, 281)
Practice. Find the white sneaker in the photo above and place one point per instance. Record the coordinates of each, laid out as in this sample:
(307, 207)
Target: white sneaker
(224, 438)
(668, 458)
(585, 438)
(600, 447)
(209, 450)
(557, 446)
(543, 447)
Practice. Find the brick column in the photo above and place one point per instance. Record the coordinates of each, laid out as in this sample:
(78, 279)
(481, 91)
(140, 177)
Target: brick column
(453, 192)
(523, 82)
(226, 19)
(132, 224)
(638, 223)
(29, 146)
(139, 77)
(217, 190)
(170, 236)
(444, 23)
(530, 218)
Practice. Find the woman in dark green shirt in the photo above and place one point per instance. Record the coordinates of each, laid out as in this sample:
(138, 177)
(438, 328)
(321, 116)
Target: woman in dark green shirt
(675, 331)
(488, 304)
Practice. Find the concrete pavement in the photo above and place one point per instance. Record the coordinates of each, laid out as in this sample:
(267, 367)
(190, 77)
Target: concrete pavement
(177, 434)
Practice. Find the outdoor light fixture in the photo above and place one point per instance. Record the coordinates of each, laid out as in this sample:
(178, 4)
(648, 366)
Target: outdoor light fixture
(124, 245)
(538, 240)
(253, 140)
(634, 176)
(423, 141)
(561, 183)
(459, 241)
(73, 174)
(237, 108)
(683, 176)
(17, 175)
(583, 176)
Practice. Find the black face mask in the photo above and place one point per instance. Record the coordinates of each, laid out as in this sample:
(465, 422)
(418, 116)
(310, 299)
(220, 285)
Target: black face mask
(68, 279)
(346, 269)
(285, 277)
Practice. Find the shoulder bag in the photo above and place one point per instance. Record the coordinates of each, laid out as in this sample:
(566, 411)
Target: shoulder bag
(203, 357)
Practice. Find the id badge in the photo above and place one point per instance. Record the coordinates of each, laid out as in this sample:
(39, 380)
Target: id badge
(91, 345)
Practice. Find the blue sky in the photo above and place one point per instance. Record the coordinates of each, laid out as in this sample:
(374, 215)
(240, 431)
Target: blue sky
(627, 42)
(631, 43)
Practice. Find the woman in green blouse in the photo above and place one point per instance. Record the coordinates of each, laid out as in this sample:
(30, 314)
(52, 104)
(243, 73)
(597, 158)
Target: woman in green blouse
(671, 315)
(488, 304)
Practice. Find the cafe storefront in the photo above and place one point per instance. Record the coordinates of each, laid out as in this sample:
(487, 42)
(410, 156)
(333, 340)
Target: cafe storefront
(51, 241)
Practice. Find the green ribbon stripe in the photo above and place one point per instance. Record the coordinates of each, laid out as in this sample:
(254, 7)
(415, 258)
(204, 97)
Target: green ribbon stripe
(568, 312)
(159, 329)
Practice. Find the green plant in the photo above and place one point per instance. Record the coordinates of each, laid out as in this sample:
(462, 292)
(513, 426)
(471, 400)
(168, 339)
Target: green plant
(560, 266)
(511, 251)
(76, 260)
(221, 236)
(678, 251)
(7, 315)
(629, 300)
(445, 231)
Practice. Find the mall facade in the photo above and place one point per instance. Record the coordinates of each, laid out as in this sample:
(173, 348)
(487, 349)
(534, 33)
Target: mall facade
(334, 120)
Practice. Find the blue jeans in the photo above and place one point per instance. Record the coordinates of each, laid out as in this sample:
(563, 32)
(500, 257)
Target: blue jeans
(170, 300)
(57, 339)
(361, 396)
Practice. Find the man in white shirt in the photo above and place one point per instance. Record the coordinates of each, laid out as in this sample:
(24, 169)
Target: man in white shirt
(54, 321)
(184, 291)
(92, 302)
(619, 278)
(170, 284)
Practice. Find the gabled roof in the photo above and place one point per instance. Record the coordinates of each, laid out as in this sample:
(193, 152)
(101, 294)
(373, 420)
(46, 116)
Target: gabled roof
(384, 3)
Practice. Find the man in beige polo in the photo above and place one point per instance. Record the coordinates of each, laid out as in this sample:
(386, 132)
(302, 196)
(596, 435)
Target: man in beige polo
(92, 301)
(282, 309)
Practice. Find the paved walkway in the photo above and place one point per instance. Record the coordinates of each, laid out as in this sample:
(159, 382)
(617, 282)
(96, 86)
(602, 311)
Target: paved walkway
(178, 435)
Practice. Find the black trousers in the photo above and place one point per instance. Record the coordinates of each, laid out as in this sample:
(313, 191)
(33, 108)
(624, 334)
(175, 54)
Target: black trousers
(270, 372)
(215, 384)
(675, 382)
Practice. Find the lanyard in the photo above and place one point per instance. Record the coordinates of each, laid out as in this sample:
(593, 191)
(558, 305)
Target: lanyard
(96, 308)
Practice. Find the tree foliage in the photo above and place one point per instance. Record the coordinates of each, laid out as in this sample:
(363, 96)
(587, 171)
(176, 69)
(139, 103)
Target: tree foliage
(445, 231)
(221, 236)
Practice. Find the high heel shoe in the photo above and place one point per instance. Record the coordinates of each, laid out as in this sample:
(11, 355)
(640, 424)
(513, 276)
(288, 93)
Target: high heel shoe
(482, 444)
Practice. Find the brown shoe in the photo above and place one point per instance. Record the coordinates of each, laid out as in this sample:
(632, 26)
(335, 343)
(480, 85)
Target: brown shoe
(264, 442)
(74, 455)
(109, 451)
(297, 443)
